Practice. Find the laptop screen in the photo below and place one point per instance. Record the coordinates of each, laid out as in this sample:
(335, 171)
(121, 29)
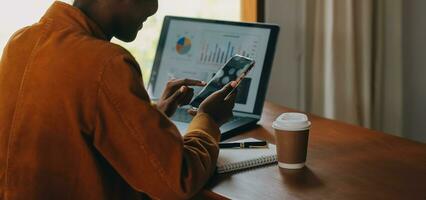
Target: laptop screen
(197, 49)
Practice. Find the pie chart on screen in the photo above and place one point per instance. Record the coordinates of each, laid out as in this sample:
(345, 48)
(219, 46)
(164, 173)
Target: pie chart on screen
(183, 45)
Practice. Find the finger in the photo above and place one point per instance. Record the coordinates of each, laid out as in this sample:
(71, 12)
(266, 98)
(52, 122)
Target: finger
(175, 96)
(226, 90)
(187, 82)
(186, 97)
(234, 84)
(233, 93)
(192, 112)
(231, 96)
(230, 101)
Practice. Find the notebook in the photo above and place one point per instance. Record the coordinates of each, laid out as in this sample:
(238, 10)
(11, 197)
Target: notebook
(231, 160)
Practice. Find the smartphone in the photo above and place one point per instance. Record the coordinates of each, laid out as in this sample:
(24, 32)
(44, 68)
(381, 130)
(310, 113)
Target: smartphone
(234, 70)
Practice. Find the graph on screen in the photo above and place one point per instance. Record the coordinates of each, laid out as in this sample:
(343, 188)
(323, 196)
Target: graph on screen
(217, 48)
(183, 45)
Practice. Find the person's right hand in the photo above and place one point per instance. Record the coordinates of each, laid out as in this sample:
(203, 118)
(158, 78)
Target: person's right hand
(219, 105)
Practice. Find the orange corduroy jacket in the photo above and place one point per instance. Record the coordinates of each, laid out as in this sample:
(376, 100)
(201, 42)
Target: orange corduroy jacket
(77, 123)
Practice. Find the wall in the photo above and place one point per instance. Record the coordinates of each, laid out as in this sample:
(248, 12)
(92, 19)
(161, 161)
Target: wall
(285, 83)
(388, 109)
(414, 56)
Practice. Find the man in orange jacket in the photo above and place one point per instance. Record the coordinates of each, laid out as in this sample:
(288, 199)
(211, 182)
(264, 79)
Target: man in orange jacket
(77, 123)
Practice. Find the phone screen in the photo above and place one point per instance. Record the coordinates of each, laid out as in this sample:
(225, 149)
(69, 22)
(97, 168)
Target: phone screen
(234, 70)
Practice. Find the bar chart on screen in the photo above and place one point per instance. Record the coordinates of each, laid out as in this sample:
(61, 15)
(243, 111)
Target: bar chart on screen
(218, 47)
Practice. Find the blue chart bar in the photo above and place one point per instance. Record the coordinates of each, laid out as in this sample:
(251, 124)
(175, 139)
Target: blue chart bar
(215, 53)
(232, 52)
(205, 53)
(217, 56)
(221, 57)
(227, 52)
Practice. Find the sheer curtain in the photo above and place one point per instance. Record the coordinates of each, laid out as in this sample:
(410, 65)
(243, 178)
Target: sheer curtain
(347, 63)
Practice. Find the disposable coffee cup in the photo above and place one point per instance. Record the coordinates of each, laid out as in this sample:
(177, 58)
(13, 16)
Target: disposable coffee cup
(292, 134)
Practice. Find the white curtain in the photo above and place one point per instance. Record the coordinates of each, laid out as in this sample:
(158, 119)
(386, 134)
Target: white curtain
(346, 61)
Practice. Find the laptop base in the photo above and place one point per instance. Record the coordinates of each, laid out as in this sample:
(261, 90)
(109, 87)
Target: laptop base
(228, 130)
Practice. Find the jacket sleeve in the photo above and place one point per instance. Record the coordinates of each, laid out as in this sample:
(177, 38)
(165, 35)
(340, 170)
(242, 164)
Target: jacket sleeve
(142, 145)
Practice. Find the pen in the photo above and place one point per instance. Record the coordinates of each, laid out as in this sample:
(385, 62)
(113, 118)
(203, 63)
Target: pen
(243, 145)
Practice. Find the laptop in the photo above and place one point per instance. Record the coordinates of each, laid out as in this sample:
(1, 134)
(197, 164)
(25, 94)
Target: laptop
(198, 48)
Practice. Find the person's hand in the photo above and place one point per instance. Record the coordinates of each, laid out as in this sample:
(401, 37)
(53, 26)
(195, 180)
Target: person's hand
(176, 94)
(219, 105)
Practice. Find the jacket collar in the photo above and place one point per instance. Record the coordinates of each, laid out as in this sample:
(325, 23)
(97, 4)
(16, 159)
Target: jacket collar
(63, 13)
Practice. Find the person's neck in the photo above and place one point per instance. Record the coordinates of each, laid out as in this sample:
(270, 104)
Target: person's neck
(99, 18)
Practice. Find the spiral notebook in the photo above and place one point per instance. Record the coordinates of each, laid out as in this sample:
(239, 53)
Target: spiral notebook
(231, 160)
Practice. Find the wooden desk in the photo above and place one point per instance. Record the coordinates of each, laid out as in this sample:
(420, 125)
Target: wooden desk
(344, 162)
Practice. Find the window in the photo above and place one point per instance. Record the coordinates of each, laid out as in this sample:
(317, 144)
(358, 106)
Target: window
(144, 47)
(17, 14)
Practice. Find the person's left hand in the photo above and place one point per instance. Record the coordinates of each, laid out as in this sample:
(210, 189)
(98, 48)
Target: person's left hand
(176, 94)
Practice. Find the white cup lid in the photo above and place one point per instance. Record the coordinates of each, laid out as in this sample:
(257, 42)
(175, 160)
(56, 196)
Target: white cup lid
(292, 122)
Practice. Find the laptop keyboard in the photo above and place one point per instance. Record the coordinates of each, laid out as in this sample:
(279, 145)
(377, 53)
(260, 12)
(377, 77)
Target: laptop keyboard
(234, 118)
(181, 115)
